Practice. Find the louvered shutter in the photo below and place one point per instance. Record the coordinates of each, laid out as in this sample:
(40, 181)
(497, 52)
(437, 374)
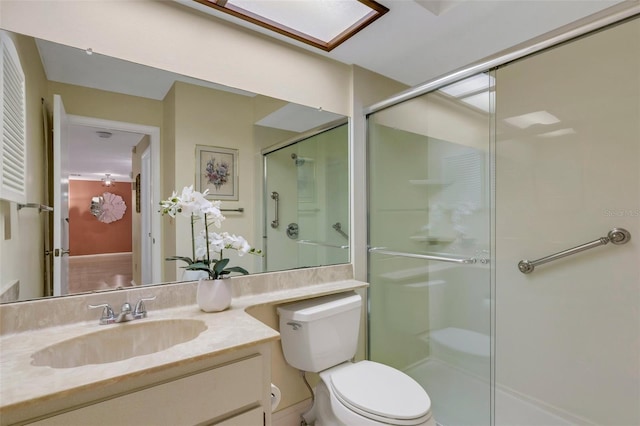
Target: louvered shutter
(13, 124)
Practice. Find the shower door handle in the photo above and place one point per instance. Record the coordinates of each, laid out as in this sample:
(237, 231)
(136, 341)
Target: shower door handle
(276, 197)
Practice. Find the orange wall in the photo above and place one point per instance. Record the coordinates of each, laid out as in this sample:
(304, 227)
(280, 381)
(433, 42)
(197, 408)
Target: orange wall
(87, 235)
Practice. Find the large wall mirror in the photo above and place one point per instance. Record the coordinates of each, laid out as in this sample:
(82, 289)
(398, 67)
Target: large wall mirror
(133, 134)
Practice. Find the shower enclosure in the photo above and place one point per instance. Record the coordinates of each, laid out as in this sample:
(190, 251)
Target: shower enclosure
(307, 201)
(504, 219)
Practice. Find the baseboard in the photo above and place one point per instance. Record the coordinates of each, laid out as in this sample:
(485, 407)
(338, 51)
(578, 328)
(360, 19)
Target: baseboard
(290, 416)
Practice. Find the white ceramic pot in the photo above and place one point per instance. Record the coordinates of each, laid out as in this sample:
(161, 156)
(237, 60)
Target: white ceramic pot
(213, 295)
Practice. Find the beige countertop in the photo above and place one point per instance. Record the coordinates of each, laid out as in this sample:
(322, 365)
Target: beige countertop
(23, 384)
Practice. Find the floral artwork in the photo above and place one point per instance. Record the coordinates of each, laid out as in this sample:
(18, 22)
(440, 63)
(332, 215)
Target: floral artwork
(217, 172)
(108, 207)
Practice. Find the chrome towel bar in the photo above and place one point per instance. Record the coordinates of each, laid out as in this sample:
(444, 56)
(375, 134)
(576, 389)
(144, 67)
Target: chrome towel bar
(40, 207)
(438, 258)
(616, 236)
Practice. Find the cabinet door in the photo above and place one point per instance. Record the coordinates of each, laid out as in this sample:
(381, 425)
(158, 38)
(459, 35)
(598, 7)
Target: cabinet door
(199, 398)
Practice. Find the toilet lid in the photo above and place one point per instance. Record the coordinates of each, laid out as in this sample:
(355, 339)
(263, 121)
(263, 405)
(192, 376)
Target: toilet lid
(377, 390)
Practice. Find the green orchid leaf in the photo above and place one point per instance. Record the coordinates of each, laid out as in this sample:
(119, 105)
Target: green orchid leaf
(182, 258)
(237, 269)
(220, 265)
(198, 266)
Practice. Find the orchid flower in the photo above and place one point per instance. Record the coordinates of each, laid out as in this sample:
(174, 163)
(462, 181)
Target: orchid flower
(196, 206)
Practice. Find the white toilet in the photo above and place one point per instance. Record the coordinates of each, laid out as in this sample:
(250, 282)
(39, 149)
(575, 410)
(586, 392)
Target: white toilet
(320, 335)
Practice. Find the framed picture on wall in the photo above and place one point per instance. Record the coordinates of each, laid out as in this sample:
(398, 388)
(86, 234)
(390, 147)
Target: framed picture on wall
(137, 189)
(217, 171)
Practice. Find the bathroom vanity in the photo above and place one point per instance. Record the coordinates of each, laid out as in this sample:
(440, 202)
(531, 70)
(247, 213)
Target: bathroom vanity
(226, 393)
(218, 373)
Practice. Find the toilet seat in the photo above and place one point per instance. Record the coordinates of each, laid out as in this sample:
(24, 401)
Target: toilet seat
(381, 393)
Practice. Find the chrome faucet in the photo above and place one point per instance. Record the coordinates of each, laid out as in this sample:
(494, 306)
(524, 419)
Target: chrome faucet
(126, 313)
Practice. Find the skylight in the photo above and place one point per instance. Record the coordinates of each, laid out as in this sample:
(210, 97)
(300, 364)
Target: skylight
(321, 23)
(475, 91)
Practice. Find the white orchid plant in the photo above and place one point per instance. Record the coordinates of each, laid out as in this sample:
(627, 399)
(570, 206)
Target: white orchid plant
(206, 244)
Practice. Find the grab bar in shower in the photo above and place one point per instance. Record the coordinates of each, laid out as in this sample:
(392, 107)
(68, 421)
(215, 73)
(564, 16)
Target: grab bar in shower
(437, 258)
(616, 236)
(275, 197)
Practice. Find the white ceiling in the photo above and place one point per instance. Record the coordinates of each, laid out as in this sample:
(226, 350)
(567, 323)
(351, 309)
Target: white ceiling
(91, 157)
(70, 65)
(416, 41)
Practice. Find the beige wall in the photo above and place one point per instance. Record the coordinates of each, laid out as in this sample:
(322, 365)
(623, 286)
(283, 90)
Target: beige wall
(169, 36)
(88, 102)
(367, 88)
(22, 233)
(218, 119)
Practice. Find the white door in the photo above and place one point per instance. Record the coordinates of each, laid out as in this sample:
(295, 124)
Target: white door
(60, 198)
(146, 242)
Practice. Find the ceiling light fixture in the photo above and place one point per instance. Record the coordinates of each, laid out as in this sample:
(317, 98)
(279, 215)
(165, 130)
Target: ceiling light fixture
(324, 24)
(108, 181)
(104, 134)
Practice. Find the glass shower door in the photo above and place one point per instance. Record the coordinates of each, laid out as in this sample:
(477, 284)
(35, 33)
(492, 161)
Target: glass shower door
(429, 239)
(307, 202)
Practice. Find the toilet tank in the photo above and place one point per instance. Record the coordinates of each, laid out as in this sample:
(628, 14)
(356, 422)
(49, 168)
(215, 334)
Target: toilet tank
(319, 333)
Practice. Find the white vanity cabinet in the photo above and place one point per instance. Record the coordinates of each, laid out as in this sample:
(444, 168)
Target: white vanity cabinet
(232, 393)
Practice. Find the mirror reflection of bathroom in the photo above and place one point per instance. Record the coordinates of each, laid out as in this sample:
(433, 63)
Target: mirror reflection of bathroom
(306, 201)
(114, 137)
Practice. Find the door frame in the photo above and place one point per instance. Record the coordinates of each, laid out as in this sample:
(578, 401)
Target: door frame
(153, 182)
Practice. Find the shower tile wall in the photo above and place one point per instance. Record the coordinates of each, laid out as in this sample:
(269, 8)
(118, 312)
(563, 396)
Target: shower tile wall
(568, 171)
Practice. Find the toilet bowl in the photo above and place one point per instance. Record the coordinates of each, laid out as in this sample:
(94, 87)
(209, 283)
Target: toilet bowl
(320, 335)
(368, 393)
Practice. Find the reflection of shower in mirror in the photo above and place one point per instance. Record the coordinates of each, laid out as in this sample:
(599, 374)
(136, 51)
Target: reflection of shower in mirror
(300, 160)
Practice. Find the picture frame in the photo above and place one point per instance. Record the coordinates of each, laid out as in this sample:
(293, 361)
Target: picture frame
(217, 171)
(137, 189)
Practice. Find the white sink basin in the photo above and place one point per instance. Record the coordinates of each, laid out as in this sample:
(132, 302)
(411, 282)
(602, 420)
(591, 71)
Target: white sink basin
(118, 342)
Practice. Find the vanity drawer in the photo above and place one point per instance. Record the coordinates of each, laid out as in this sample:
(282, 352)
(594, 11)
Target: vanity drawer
(253, 417)
(211, 397)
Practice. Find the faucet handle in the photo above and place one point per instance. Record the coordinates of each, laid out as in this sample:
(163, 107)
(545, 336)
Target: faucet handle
(107, 316)
(140, 311)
